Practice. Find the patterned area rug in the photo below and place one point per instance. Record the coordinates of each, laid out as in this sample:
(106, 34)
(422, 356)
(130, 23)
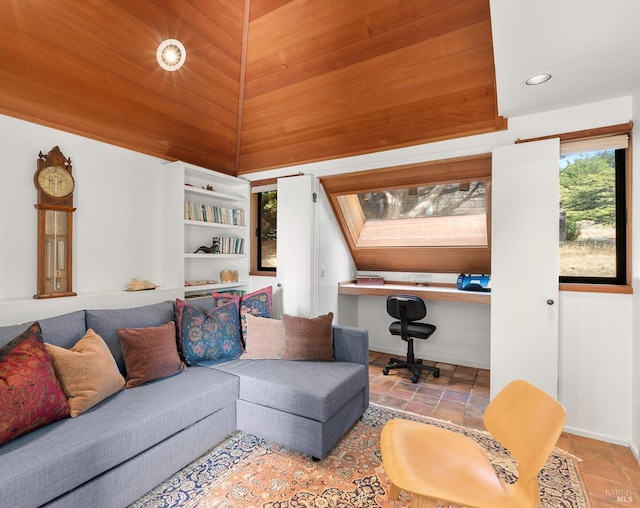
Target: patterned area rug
(246, 471)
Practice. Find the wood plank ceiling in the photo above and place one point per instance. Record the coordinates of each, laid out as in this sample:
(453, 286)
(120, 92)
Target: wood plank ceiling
(267, 83)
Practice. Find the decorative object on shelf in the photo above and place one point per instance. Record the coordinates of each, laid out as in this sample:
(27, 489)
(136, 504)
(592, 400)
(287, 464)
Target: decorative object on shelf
(55, 185)
(371, 280)
(140, 285)
(228, 275)
(206, 250)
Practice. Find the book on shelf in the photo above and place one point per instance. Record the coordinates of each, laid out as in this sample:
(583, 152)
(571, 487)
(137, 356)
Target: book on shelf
(230, 244)
(211, 213)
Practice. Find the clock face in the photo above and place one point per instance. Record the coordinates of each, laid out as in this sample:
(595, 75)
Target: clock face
(56, 181)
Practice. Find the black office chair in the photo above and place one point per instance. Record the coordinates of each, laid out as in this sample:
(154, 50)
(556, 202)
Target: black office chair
(408, 309)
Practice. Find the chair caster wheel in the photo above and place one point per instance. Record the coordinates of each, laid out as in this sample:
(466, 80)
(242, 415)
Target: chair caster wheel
(385, 371)
(436, 373)
(414, 379)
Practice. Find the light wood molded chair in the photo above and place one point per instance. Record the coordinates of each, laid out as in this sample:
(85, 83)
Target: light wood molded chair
(437, 464)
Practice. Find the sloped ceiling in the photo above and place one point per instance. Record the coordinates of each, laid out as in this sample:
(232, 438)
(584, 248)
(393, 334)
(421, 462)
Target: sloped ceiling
(267, 83)
(90, 68)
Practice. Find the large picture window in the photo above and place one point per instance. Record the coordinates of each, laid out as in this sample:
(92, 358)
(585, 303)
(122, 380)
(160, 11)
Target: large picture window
(429, 217)
(442, 215)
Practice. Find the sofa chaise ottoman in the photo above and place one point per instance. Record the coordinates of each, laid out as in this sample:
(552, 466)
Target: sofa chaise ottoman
(122, 447)
(304, 405)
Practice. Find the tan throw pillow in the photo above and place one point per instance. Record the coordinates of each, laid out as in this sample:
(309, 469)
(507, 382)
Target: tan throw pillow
(149, 353)
(308, 339)
(265, 338)
(87, 372)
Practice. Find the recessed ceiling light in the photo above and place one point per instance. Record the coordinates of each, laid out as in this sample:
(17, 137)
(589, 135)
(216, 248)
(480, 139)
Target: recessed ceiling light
(171, 54)
(538, 79)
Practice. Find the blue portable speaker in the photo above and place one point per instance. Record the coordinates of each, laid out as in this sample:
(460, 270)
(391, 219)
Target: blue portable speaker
(474, 282)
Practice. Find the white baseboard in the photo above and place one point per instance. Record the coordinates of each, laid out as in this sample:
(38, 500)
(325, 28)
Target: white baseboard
(634, 450)
(601, 437)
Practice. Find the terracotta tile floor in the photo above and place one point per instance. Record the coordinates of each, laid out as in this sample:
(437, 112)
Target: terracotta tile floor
(610, 472)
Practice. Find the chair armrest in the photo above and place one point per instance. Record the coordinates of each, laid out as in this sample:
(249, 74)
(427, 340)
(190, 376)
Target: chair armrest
(351, 344)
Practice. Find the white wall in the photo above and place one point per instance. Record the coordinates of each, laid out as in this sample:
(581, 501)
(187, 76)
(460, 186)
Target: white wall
(462, 336)
(595, 364)
(635, 338)
(118, 227)
(334, 265)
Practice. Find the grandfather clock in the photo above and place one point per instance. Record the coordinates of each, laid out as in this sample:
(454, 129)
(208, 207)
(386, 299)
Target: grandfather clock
(55, 185)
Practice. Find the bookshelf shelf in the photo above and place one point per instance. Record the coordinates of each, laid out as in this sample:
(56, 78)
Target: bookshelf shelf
(196, 191)
(197, 288)
(213, 256)
(218, 225)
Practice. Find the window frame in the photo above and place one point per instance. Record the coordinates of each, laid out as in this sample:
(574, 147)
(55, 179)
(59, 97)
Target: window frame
(257, 188)
(433, 259)
(622, 283)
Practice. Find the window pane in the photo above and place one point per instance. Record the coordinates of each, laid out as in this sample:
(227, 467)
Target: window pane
(426, 201)
(267, 229)
(589, 218)
(444, 215)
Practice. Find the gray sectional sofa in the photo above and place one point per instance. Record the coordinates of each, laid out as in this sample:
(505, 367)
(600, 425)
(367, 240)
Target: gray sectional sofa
(121, 448)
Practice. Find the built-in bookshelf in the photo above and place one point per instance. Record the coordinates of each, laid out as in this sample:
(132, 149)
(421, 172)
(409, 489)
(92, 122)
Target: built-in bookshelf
(214, 230)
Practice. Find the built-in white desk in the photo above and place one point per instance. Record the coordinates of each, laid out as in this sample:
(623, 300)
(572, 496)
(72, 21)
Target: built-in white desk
(447, 292)
(462, 317)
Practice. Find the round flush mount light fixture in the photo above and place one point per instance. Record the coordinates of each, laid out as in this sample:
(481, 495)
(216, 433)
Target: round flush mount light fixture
(171, 55)
(538, 79)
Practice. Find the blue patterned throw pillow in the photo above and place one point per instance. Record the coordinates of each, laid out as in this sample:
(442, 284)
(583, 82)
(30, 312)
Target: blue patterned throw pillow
(257, 304)
(213, 336)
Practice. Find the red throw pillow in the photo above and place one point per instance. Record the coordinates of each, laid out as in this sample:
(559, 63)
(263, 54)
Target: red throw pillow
(30, 394)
